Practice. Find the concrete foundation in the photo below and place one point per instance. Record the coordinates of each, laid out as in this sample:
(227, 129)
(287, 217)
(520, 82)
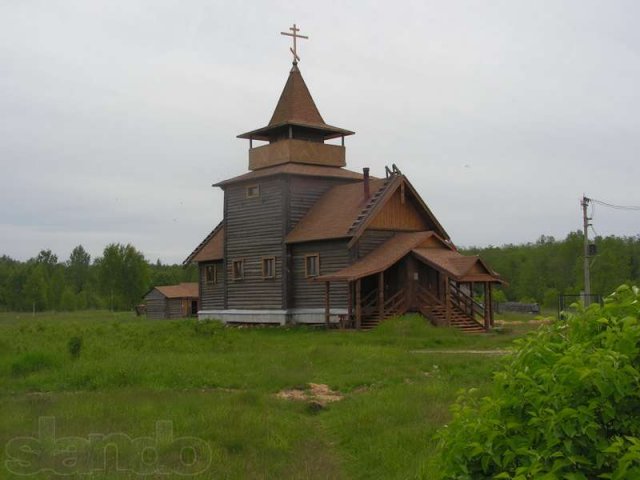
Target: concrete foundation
(305, 316)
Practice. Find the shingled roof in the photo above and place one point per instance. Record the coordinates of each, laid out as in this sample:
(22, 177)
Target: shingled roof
(344, 212)
(296, 107)
(183, 290)
(334, 213)
(296, 103)
(210, 249)
(462, 268)
(294, 169)
(427, 247)
(381, 258)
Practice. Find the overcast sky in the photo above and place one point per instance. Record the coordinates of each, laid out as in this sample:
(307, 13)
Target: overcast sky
(116, 116)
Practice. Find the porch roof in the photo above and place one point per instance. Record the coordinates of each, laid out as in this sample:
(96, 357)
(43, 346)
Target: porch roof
(438, 255)
(460, 267)
(380, 259)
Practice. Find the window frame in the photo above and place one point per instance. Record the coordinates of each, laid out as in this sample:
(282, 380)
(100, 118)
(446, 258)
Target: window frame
(307, 257)
(273, 268)
(234, 277)
(255, 188)
(214, 269)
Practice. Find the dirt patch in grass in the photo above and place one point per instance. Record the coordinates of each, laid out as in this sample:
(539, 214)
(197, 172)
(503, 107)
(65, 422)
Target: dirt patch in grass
(315, 392)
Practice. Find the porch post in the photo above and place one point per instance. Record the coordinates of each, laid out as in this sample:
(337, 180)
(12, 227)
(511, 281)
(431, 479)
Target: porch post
(358, 304)
(350, 304)
(487, 306)
(381, 295)
(447, 300)
(491, 305)
(471, 309)
(327, 302)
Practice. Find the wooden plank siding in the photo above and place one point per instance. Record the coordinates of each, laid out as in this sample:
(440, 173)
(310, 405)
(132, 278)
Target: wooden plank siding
(156, 305)
(307, 293)
(400, 213)
(176, 308)
(253, 230)
(212, 295)
(369, 241)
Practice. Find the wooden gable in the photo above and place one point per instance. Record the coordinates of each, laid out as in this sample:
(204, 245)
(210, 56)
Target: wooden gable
(478, 268)
(434, 241)
(399, 213)
(398, 207)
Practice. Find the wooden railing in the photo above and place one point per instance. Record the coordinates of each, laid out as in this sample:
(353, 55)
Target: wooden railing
(466, 303)
(425, 297)
(370, 303)
(396, 304)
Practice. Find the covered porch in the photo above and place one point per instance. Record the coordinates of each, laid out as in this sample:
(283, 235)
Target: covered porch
(414, 273)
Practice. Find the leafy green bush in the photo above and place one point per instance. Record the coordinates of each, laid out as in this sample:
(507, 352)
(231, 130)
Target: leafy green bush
(74, 345)
(566, 405)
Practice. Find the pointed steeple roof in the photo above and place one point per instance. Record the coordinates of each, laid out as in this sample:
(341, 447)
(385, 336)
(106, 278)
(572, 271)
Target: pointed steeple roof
(296, 108)
(296, 103)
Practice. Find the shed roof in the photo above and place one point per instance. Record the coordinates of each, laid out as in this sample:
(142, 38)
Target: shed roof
(293, 169)
(210, 249)
(182, 290)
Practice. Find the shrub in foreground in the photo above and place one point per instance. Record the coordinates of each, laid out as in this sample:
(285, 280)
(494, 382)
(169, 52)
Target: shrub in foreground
(566, 404)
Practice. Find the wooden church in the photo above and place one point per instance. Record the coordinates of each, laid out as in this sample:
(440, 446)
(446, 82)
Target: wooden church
(304, 240)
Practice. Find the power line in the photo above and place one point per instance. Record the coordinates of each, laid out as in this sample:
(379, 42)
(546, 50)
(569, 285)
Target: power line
(616, 207)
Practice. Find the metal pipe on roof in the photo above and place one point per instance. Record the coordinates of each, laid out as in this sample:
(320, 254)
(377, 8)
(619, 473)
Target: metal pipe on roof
(365, 172)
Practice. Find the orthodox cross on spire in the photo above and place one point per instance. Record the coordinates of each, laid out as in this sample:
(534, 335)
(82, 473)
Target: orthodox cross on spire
(295, 36)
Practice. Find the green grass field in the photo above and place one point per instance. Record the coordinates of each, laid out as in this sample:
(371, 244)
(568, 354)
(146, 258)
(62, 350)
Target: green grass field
(219, 386)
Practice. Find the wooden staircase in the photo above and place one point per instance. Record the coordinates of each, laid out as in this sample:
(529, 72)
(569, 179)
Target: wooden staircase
(462, 309)
(461, 305)
(393, 306)
(459, 319)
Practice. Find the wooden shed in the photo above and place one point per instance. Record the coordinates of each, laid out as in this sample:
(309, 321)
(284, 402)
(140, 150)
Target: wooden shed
(173, 301)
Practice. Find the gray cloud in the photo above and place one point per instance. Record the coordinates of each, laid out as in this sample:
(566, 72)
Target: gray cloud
(118, 116)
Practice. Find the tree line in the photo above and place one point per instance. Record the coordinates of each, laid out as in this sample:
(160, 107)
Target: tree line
(540, 271)
(535, 272)
(117, 280)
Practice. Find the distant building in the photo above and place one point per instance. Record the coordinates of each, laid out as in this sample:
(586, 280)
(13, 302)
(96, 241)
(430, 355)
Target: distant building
(303, 240)
(172, 301)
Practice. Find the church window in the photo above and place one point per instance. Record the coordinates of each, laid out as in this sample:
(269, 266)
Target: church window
(237, 270)
(253, 191)
(269, 267)
(211, 274)
(312, 265)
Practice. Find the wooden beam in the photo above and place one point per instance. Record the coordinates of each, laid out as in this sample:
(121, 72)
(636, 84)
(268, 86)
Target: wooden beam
(327, 302)
(447, 300)
(358, 304)
(350, 304)
(487, 305)
(491, 304)
(381, 295)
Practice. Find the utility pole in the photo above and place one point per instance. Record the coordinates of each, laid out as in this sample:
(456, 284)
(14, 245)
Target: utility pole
(587, 278)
